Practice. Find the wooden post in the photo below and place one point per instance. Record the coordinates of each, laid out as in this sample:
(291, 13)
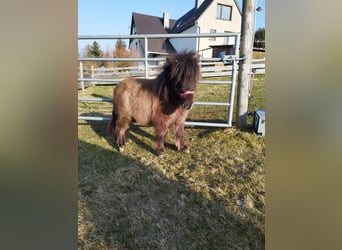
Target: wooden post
(81, 75)
(246, 52)
(92, 73)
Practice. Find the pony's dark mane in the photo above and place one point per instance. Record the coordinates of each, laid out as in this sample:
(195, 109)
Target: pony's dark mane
(182, 67)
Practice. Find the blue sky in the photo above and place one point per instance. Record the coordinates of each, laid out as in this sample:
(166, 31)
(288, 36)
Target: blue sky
(109, 17)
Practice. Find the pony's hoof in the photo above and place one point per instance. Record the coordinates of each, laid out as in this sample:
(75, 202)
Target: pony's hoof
(186, 150)
(161, 153)
(121, 149)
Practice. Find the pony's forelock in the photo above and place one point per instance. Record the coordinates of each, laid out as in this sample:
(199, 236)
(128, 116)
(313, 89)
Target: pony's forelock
(184, 67)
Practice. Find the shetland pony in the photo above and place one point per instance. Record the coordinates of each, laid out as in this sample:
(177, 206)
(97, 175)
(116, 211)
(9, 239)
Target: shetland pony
(163, 102)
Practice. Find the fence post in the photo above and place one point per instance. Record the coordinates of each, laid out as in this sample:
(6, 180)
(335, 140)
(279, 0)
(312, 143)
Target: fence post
(233, 79)
(246, 52)
(92, 73)
(146, 56)
(81, 75)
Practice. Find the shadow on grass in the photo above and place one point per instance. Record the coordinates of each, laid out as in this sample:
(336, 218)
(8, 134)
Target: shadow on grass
(100, 96)
(125, 204)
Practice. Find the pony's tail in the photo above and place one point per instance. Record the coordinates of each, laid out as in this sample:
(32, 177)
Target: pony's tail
(111, 124)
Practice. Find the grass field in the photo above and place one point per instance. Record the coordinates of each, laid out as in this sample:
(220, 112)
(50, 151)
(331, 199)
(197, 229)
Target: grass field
(212, 198)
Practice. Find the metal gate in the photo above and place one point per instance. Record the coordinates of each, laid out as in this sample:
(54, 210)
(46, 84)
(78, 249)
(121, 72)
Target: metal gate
(233, 60)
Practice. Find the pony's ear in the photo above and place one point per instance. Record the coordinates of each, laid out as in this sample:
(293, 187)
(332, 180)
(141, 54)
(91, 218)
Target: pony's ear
(170, 59)
(196, 57)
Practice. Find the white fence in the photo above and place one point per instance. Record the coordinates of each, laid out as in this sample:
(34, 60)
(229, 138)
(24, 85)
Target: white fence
(209, 67)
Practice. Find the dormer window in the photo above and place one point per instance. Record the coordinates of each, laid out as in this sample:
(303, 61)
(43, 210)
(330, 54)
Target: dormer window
(224, 12)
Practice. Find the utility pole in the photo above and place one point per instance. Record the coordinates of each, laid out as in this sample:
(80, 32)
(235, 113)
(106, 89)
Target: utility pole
(246, 52)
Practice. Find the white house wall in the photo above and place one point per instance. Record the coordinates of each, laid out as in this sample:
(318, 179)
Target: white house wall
(136, 48)
(185, 43)
(209, 21)
(135, 45)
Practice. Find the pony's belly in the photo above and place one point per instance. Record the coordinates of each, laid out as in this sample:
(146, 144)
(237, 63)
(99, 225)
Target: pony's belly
(142, 121)
(142, 117)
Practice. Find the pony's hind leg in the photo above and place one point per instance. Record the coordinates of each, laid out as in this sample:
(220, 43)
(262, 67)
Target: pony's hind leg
(111, 125)
(122, 125)
(161, 134)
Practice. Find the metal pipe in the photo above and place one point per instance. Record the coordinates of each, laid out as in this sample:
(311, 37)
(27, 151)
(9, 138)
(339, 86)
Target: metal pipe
(187, 123)
(207, 124)
(214, 82)
(110, 37)
(113, 59)
(95, 99)
(94, 118)
(138, 59)
(98, 80)
(120, 79)
(146, 57)
(232, 86)
(90, 99)
(213, 103)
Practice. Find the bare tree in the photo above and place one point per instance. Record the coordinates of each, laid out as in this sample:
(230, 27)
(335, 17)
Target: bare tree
(121, 52)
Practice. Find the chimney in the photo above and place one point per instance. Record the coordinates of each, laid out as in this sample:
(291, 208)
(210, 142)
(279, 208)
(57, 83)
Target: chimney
(198, 3)
(166, 20)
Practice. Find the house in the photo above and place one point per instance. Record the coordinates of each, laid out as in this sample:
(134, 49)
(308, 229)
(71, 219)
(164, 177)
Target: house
(207, 16)
(145, 24)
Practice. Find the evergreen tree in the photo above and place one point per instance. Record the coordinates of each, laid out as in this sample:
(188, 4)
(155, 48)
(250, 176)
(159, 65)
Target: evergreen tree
(94, 51)
(259, 38)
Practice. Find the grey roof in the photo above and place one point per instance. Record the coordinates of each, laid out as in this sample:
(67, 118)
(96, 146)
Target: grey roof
(189, 18)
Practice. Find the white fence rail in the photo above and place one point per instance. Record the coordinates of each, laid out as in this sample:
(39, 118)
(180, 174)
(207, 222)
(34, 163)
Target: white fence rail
(208, 69)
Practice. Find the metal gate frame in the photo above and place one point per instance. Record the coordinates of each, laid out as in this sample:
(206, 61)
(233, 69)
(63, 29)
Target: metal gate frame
(234, 59)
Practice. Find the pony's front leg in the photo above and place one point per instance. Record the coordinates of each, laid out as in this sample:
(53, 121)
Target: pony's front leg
(178, 130)
(161, 134)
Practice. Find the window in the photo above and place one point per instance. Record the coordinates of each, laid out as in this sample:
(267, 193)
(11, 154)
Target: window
(224, 12)
(134, 30)
(212, 38)
(229, 40)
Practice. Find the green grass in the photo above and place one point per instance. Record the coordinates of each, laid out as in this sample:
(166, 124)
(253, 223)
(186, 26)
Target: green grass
(212, 198)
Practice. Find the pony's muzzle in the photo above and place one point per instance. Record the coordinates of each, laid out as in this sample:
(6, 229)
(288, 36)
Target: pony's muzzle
(187, 97)
(188, 106)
